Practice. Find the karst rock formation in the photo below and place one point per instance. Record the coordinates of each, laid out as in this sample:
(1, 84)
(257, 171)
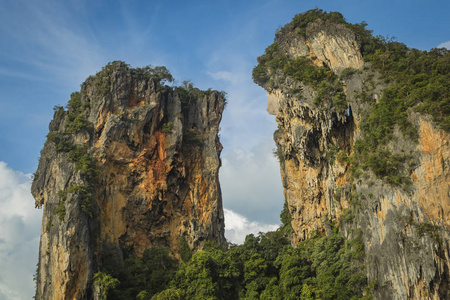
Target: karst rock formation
(131, 163)
(394, 192)
(363, 142)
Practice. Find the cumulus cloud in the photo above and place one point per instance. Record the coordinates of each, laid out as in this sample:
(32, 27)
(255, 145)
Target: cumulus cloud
(251, 183)
(19, 237)
(237, 227)
(250, 174)
(445, 45)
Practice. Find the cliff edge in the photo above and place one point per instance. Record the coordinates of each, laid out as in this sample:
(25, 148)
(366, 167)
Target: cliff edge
(130, 164)
(364, 146)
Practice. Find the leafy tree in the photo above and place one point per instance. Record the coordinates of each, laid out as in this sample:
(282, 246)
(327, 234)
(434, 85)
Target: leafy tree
(199, 277)
(105, 283)
(266, 266)
(306, 293)
(293, 271)
(170, 294)
(286, 219)
(142, 276)
(60, 210)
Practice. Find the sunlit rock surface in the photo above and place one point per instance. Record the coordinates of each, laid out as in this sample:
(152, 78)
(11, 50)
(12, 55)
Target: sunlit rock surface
(156, 153)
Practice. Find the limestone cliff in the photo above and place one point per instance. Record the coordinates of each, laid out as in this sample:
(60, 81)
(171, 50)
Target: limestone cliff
(340, 166)
(130, 164)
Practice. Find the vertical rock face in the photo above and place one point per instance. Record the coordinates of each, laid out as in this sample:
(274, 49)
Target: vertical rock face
(130, 165)
(404, 228)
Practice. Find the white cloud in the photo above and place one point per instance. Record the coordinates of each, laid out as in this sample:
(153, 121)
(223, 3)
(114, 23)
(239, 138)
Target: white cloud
(237, 227)
(445, 45)
(48, 40)
(224, 75)
(251, 184)
(250, 174)
(19, 237)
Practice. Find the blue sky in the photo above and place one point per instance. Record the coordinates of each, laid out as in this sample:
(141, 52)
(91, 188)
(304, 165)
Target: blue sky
(49, 47)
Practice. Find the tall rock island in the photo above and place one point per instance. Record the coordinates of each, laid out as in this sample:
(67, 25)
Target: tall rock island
(130, 164)
(364, 147)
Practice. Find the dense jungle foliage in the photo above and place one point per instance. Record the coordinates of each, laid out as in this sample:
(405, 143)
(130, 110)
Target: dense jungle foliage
(266, 266)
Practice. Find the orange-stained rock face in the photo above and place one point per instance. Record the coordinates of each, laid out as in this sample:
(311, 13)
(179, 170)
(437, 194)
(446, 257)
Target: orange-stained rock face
(432, 178)
(156, 152)
(405, 229)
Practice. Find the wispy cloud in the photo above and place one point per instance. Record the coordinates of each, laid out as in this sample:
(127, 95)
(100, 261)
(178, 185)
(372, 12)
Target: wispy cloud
(224, 75)
(19, 237)
(445, 45)
(22, 75)
(50, 37)
(238, 227)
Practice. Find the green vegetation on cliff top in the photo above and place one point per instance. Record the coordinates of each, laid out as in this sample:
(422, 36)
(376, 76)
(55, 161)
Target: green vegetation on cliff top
(75, 122)
(84, 163)
(417, 82)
